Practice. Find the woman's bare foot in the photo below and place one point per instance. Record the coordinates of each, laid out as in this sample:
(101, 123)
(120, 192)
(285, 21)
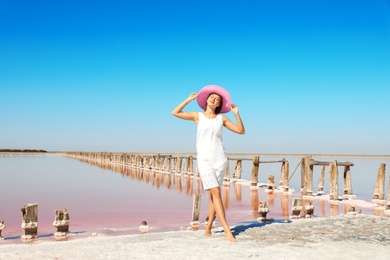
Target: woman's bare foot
(230, 237)
(207, 233)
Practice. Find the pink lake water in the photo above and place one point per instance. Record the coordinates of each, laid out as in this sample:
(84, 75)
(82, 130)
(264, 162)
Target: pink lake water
(114, 200)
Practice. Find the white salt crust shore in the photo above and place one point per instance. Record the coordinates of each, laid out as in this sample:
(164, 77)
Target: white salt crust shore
(340, 237)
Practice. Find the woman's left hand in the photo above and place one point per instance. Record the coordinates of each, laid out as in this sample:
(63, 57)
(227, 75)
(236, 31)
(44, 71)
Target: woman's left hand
(234, 108)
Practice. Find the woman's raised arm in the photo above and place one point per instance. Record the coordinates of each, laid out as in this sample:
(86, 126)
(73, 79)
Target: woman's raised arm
(178, 111)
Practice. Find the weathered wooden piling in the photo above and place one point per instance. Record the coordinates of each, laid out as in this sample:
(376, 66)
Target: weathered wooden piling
(226, 178)
(296, 208)
(255, 170)
(160, 162)
(270, 185)
(61, 222)
(351, 210)
(379, 190)
(196, 209)
(263, 211)
(309, 208)
(237, 170)
(284, 176)
(334, 181)
(190, 167)
(321, 181)
(387, 206)
(304, 165)
(178, 164)
(169, 163)
(144, 228)
(309, 179)
(30, 220)
(2, 226)
(347, 180)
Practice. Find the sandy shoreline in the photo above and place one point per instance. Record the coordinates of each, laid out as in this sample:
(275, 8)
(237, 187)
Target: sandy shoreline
(341, 237)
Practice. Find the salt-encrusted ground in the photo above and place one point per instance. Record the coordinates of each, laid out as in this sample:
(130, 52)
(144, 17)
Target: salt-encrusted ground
(341, 237)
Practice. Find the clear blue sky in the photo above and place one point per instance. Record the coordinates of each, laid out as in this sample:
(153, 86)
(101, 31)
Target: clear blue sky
(308, 76)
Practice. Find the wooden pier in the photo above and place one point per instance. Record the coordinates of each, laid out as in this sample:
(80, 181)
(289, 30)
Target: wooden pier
(185, 164)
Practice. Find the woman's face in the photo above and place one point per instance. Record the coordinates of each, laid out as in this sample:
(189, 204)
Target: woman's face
(214, 100)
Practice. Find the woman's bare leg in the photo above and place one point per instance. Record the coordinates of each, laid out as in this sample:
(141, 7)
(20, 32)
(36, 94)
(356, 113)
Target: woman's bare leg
(211, 216)
(215, 198)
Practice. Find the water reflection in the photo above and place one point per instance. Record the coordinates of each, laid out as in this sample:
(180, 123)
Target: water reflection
(285, 202)
(226, 195)
(334, 209)
(238, 191)
(192, 185)
(270, 198)
(255, 202)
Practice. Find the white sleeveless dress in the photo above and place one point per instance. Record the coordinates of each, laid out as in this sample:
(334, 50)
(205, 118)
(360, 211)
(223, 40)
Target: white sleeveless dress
(211, 156)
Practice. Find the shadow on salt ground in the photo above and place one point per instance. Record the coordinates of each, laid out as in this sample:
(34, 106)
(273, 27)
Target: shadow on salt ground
(43, 236)
(252, 224)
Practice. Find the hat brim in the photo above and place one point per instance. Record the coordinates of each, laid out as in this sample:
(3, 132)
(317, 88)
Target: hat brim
(205, 92)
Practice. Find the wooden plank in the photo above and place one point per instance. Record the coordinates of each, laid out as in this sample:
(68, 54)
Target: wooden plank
(327, 163)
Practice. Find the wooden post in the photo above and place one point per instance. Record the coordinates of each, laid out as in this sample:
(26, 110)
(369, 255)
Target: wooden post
(179, 161)
(156, 161)
(304, 169)
(61, 222)
(296, 208)
(2, 226)
(142, 162)
(321, 182)
(347, 181)
(169, 166)
(237, 170)
(160, 163)
(284, 176)
(309, 208)
(197, 171)
(174, 161)
(263, 211)
(271, 183)
(30, 221)
(190, 167)
(379, 190)
(387, 206)
(303, 176)
(309, 178)
(196, 208)
(227, 172)
(255, 170)
(334, 185)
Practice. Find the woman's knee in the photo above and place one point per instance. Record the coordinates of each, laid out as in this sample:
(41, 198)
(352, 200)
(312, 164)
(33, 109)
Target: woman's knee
(215, 192)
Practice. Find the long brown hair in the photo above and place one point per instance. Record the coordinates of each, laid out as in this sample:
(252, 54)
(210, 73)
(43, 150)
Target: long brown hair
(217, 109)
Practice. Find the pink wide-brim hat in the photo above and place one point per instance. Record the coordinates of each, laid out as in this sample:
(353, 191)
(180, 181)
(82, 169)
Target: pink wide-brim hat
(205, 92)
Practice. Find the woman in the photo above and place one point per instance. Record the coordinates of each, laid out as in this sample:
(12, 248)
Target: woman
(211, 156)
